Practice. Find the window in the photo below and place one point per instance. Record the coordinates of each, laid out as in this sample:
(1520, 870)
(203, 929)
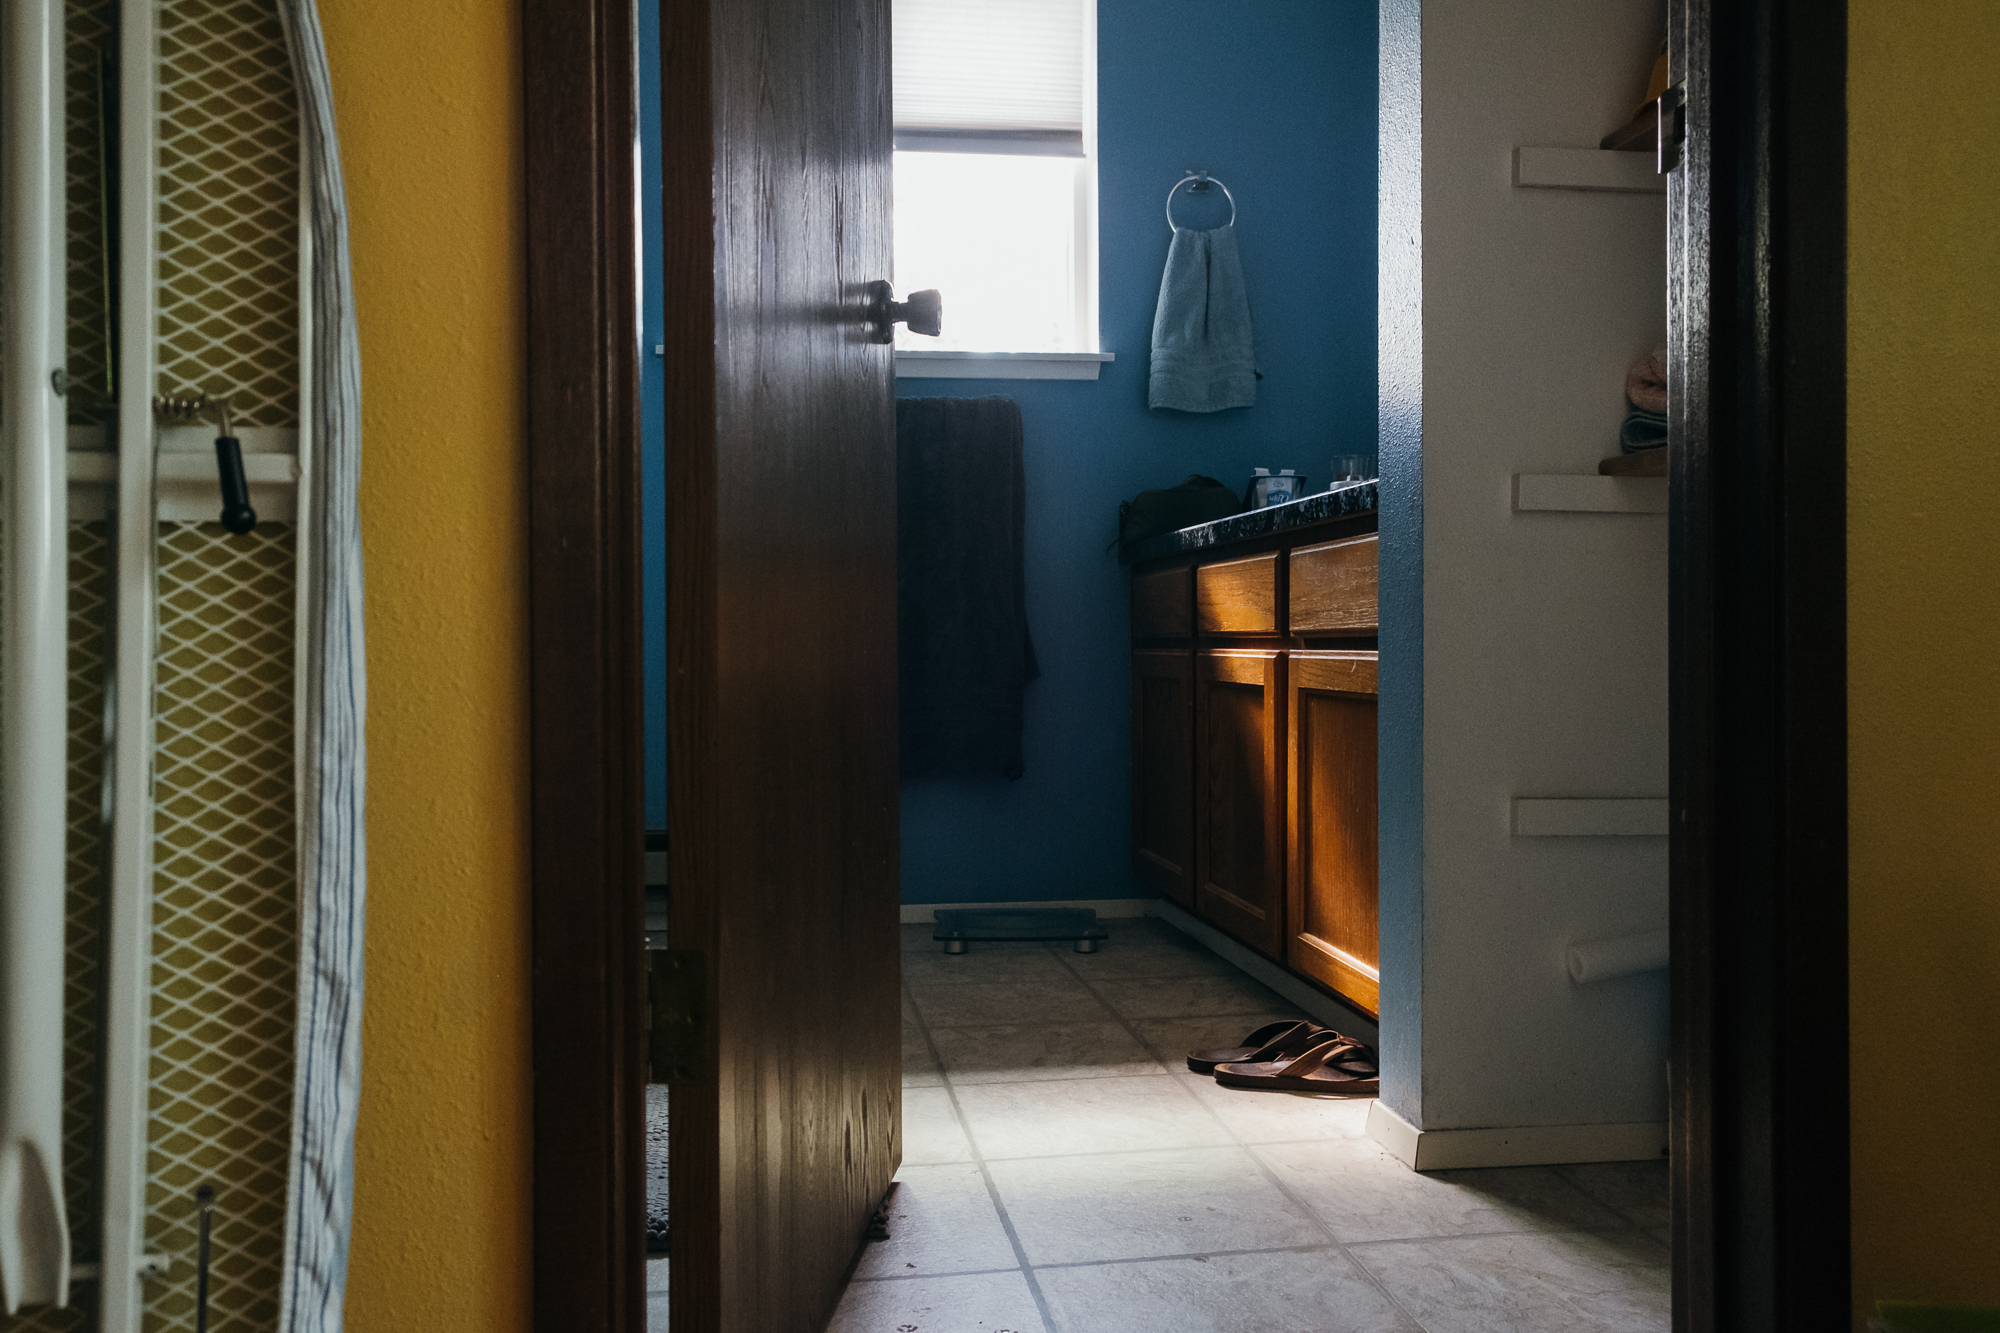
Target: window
(996, 198)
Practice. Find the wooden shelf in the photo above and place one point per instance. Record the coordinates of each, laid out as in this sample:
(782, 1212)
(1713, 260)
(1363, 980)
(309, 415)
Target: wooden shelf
(1588, 494)
(1597, 170)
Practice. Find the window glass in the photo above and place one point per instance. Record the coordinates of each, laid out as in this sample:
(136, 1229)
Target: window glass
(998, 236)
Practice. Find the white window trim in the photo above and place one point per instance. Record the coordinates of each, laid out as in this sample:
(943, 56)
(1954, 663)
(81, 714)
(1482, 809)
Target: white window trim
(920, 365)
(916, 363)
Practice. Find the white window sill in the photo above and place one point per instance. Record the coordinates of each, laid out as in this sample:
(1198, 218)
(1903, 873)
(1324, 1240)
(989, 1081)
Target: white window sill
(1000, 365)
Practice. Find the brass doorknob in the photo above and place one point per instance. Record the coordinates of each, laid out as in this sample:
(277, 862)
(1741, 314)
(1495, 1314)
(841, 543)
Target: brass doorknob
(923, 312)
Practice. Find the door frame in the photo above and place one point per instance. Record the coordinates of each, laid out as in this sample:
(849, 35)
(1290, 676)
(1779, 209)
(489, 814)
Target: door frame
(1758, 1102)
(579, 102)
(1760, 1010)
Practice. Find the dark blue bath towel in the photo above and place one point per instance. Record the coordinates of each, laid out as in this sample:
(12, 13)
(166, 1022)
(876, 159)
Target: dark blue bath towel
(961, 608)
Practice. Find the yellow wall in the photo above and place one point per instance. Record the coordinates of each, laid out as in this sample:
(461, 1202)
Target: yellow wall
(429, 102)
(1924, 644)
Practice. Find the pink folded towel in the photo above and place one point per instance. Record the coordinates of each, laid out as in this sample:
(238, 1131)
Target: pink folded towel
(1646, 381)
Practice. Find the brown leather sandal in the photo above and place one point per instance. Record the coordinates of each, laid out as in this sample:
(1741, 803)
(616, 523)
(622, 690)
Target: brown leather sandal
(1334, 1064)
(1273, 1041)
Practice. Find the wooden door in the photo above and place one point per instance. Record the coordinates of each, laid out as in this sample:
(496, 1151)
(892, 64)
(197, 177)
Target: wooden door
(781, 465)
(1239, 789)
(1163, 772)
(1330, 806)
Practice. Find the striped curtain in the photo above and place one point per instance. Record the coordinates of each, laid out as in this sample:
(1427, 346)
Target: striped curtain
(332, 860)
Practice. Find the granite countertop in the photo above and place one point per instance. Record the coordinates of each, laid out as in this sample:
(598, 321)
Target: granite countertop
(1354, 498)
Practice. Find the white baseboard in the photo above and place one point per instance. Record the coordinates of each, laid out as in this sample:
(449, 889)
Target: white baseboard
(923, 914)
(1317, 1005)
(1530, 1145)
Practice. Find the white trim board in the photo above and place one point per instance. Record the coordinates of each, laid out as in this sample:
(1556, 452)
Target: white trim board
(922, 365)
(1536, 817)
(1528, 1145)
(1111, 909)
(1318, 1005)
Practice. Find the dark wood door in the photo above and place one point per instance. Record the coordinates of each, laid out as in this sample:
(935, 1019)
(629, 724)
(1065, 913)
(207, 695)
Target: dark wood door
(1331, 882)
(781, 467)
(1239, 794)
(1163, 772)
(1757, 604)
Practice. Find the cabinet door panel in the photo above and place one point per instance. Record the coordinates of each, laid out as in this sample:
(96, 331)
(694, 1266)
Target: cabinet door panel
(1239, 810)
(1163, 772)
(1332, 809)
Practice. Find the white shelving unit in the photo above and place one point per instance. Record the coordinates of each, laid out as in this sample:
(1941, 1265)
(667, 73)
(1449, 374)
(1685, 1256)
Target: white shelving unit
(1599, 170)
(1555, 492)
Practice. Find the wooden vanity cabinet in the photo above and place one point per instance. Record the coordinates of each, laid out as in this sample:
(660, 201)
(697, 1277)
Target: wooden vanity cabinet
(1331, 907)
(1239, 765)
(1253, 746)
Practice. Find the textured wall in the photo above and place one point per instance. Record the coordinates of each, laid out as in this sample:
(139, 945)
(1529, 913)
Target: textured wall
(1278, 102)
(1923, 640)
(428, 99)
(1399, 722)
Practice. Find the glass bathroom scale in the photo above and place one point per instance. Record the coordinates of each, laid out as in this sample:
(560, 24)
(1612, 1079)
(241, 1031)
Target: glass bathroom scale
(957, 926)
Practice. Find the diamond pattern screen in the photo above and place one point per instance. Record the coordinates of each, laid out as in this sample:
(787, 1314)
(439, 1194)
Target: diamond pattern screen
(225, 938)
(229, 208)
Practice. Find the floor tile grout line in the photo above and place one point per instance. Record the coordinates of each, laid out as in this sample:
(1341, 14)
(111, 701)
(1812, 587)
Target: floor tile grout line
(1502, 1235)
(985, 1175)
(1608, 1207)
(1191, 1254)
(917, 1277)
(1134, 1152)
(1367, 1274)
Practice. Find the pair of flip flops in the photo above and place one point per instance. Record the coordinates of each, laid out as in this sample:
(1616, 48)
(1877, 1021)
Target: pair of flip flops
(1292, 1056)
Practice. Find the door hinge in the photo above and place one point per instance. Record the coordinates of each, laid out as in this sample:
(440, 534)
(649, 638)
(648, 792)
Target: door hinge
(1673, 127)
(677, 995)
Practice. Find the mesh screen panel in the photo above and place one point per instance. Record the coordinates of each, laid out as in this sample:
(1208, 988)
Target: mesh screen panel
(225, 943)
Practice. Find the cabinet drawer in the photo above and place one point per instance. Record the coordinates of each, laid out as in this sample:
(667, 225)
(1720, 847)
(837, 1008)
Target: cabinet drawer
(1237, 596)
(1162, 604)
(1333, 587)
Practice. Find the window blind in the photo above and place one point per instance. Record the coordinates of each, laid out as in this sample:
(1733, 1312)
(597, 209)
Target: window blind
(989, 76)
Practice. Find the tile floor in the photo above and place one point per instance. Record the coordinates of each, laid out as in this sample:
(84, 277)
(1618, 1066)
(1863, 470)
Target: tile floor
(1064, 1173)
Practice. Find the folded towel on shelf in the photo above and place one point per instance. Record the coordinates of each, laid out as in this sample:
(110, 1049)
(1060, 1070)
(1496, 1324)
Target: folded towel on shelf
(1203, 360)
(1643, 430)
(963, 651)
(1646, 382)
(1646, 392)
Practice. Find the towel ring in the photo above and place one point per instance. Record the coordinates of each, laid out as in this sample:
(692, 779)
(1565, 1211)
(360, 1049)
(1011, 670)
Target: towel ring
(1201, 180)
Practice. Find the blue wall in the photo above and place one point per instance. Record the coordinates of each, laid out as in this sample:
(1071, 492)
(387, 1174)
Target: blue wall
(652, 418)
(1277, 99)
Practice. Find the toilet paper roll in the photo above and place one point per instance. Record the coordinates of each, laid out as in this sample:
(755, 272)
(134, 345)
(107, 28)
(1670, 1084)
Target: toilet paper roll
(1600, 960)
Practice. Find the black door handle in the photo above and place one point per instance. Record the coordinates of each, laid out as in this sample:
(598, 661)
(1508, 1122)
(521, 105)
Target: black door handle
(923, 312)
